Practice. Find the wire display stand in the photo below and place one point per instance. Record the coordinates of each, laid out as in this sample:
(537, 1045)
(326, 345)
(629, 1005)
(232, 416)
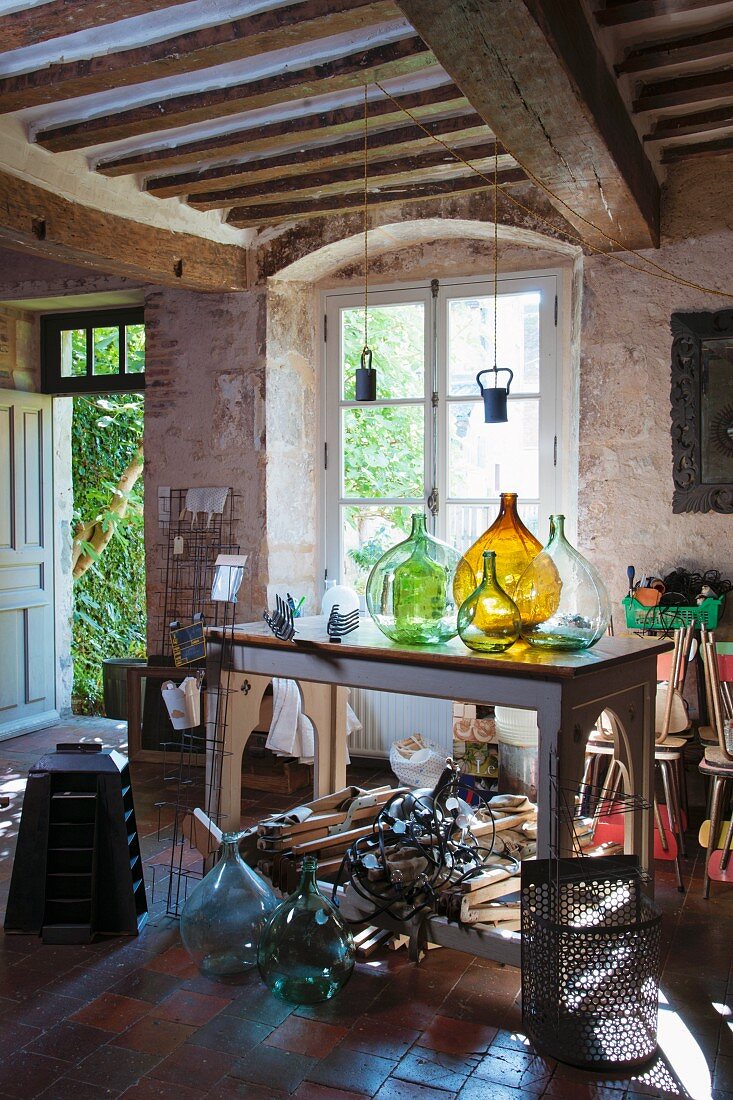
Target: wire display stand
(193, 769)
(591, 941)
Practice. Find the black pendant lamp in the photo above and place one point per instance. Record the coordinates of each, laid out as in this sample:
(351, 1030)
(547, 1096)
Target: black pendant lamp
(366, 375)
(495, 397)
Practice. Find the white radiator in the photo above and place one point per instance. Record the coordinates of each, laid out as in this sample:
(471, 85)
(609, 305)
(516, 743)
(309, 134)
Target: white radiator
(386, 717)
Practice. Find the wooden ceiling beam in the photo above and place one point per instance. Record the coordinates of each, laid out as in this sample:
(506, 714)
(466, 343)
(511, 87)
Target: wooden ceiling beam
(391, 171)
(697, 122)
(294, 209)
(381, 144)
(408, 55)
(59, 17)
(677, 51)
(40, 221)
(716, 147)
(632, 11)
(533, 71)
(235, 40)
(430, 103)
(683, 91)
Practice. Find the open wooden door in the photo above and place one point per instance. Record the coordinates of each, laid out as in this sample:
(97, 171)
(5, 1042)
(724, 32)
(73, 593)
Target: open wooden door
(27, 657)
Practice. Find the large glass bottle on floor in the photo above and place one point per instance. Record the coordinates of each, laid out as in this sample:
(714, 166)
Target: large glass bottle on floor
(409, 593)
(306, 952)
(581, 614)
(224, 915)
(488, 621)
(514, 545)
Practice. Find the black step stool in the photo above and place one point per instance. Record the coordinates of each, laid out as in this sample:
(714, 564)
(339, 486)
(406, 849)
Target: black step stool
(77, 872)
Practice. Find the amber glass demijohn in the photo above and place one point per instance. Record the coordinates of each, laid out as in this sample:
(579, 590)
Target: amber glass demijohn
(513, 545)
(488, 621)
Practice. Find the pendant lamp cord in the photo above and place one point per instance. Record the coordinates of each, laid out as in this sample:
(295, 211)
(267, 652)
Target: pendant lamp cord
(496, 259)
(366, 218)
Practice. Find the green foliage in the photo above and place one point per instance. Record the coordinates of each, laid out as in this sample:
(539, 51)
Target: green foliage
(109, 599)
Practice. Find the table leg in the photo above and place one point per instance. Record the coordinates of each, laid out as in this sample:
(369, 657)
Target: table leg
(325, 705)
(234, 709)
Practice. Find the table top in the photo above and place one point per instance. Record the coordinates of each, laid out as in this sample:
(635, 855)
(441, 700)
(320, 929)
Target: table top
(369, 644)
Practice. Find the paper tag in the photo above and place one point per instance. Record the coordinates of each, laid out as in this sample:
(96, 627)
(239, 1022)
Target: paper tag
(178, 545)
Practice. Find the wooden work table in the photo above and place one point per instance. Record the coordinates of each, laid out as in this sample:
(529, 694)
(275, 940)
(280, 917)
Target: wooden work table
(568, 691)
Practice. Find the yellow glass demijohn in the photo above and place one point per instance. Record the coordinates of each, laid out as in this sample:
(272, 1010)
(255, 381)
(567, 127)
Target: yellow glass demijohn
(513, 544)
(488, 621)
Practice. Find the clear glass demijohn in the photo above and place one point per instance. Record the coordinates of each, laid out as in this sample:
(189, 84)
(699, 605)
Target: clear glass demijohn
(224, 915)
(579, 611)
(306, 952)
(409, 592)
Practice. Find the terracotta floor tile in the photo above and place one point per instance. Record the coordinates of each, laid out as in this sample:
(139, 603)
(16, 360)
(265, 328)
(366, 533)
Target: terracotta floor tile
(176, 960)
(183, 1007)
(111, 1012)
(193, 1065)
(371, 1036)
(301, 1036)
(362, 1072)
(70, 1042)
(257, 1003)
(394, 1089)
(230, 988)
(115, 1067)
(26, 1075)
(14, 1036)
(148, 1088)
(152, 1036)
(230, 1088)
(433, 1069)
(230, 1034)
(277, 1069)
(528, 1072)
(66, 1089)
(457, 1036)
(476, 1089)
(309, 1091)
(723, 1077)
(146, 985)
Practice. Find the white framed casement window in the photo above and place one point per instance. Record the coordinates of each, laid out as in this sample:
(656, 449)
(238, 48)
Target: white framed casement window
(423, 444)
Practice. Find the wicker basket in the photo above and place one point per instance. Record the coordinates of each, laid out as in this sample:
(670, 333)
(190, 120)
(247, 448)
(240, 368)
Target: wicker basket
(416, 762)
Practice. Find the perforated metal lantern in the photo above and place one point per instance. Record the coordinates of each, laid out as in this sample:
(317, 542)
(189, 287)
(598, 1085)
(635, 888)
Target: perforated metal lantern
(495, 397)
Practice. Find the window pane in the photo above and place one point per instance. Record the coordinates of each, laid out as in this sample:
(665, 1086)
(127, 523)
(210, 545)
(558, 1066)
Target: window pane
(135, 349)
(467, 521)
(106, 351)
(384, 451)
(367, 533)
(73, 353)
(471, 341)
(397, 340)
(488, 459)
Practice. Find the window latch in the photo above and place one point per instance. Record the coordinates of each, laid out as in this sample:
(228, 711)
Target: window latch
(434, 502)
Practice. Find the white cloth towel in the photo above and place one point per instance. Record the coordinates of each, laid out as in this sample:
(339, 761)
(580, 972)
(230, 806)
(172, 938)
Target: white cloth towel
(210, 501)
(291, 731)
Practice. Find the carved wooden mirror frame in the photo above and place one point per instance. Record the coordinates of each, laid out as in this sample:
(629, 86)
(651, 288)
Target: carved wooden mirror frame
(690, 331)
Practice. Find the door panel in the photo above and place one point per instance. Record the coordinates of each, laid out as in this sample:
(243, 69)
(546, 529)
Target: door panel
(27, 657)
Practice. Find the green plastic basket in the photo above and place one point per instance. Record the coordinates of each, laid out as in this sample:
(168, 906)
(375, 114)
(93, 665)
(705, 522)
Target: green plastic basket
(639, 617)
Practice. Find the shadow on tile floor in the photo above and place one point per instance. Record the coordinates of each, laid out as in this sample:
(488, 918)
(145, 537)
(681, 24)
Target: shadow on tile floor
(134, 1018)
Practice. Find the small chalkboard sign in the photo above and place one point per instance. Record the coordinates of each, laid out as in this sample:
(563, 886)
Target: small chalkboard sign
(188, 642)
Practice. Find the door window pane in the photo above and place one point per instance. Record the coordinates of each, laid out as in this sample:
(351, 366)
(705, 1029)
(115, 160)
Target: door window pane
(135, 349)
(106, 358)
(384, 451)
(73, 353)
(471, 341)
(369, 531)
(465, 522)
(397, 340)
(487, 459)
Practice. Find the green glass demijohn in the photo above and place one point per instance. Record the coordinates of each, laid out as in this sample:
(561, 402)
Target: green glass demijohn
(409, 592)
(306, 953)
(488, 621)
(580, 615)
(224, 915)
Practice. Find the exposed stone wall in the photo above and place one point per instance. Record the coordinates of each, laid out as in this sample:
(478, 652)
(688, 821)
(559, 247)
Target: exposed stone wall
(19, 354)
(625, 477)
(205, 422)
